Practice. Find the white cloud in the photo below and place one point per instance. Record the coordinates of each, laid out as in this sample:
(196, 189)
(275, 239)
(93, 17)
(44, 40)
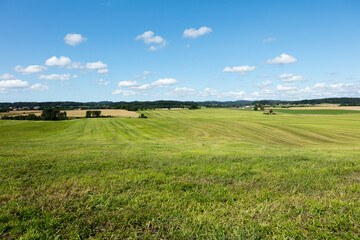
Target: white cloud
(101, 67)
(289, 77)
(318, 90)
(282, 59)
(263, 84)
(75, 65)
(124, 92)
(237, 94)
(96, 65)
(241, 69)
(193, 33)
(181, 92)
(269, 40)
(30, 69)
(142, 87)
(103, 71)
(332, 90)
(164, 81)
(13, 84)
(209, 92)
(61, 77)
(286, 87)
(7, 76)
(73, 39)
(127, 83)
(58, 62)
(157, 47)
(38, 86)
(150, 38)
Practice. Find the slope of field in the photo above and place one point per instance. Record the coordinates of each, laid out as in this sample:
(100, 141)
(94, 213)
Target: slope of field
(315, 111)
(204, 174)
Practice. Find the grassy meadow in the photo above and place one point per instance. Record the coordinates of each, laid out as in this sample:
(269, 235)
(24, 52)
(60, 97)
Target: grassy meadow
(201, 174)
(316, 111)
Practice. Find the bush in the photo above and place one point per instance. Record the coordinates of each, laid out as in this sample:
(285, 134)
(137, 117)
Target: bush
(142, 116)
(193, 107)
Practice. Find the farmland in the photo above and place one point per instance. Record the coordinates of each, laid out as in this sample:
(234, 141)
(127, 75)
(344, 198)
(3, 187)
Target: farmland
(204, 174)
(330, 111)
(79, 113)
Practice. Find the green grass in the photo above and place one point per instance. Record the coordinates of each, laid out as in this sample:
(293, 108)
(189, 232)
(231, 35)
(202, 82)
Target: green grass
(202, 174)
(316, 111)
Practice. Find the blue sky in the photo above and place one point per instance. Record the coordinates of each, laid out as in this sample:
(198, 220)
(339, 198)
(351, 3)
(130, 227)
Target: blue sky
(179, 50)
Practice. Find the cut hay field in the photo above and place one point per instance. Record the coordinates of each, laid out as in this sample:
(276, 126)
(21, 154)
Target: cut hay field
(325, 107)
(80, 113)
(182, 174)
(315, 111)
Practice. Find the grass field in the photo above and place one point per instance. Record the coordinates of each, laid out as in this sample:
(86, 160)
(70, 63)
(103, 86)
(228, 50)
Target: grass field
(316, 111)
(201, 174)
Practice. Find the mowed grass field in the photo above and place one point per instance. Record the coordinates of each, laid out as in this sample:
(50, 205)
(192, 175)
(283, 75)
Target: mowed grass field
(316, 111)
(201, 174)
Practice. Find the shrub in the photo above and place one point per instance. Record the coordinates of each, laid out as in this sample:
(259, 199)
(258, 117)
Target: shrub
(193, 107)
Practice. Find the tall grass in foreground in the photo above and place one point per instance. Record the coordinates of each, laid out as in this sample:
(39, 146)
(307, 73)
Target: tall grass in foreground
(210, 173)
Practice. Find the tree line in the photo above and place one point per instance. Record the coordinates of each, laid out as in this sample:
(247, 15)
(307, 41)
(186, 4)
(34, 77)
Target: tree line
(49, 114)
(145, 105)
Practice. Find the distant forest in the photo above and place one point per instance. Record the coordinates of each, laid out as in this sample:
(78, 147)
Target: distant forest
(142, 105)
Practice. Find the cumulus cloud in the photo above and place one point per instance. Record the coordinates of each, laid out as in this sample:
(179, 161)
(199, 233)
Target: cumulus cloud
(282, 59)
(240, 69)
(96, 65)
(63, 62)
(7, 76)
(209, 92)
(75, 65)
(124, 92)
(38, 86)
(61, 77)
(289, 77)
(332, 90)
(30, 69)
(263, 84)
(17, 84)
(142, 87)
(127, 83)
(317, 90)
(149, 38)
(164, 81)
(73, 39)
(13, 84)
(58, 62)
(193, 33)
(181, 92)
(101, 67)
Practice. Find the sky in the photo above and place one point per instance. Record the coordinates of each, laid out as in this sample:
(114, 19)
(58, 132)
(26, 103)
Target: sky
(201, 50)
